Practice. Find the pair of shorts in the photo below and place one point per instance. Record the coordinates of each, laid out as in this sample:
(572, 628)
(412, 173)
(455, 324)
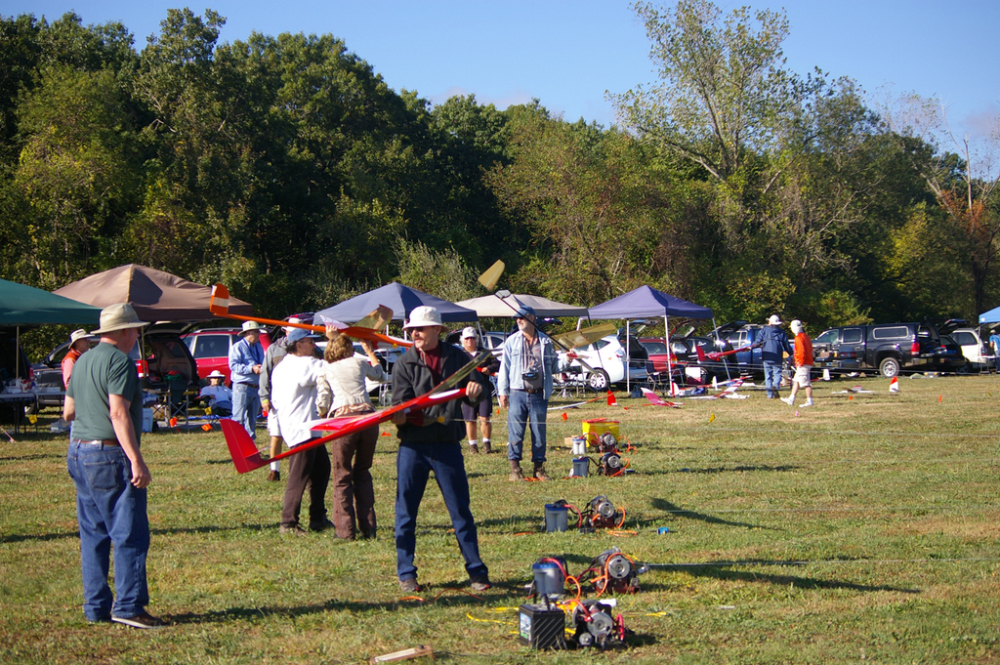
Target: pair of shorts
(272, 423)
(802, 376)
(484, 409)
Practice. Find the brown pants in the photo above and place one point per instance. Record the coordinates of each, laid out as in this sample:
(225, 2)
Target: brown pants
(311, 470)
(352, 483)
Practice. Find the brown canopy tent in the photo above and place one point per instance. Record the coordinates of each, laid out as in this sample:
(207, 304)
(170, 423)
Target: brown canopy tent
(155, 295)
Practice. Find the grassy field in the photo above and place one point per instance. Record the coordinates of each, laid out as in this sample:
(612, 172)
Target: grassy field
(864, 529)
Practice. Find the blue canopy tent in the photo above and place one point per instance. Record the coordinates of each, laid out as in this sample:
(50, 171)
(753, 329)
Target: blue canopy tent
(992, 316)
(645, 302)
(400, 299)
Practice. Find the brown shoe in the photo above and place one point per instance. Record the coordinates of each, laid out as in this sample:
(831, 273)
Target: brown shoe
(487, 448)
(474, 449)
(540, 471)
(516, 475)
(274, 476)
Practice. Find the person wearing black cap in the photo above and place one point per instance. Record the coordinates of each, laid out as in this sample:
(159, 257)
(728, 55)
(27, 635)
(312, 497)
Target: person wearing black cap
(524, 384)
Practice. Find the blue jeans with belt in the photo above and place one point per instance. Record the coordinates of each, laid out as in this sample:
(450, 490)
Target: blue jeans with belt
(526, 409)
(109, 510)
(246, 406)
(772, 378)
(413, 466)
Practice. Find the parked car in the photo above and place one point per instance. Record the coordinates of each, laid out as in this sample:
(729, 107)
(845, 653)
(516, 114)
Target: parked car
(165, 363)
(889, 348)
(737, 335)
(48, 376)
(976, 350)
(607, 358)
(210, 348)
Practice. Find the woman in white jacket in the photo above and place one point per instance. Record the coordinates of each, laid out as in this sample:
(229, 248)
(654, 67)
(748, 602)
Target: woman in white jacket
(342, 393)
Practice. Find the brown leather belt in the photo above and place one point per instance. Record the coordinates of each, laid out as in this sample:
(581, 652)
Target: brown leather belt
(98, 442)
(530, 391)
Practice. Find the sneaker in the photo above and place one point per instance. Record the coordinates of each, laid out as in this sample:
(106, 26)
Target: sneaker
(274, 476)
(144, 621)
(480, 583)
(808, 402)
(292, 529)
(409, 585)
(787, 400)
(321, 525)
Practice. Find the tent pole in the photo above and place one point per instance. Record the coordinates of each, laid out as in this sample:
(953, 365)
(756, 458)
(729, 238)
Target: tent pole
(17, 353)
(628, 356)
(670, 367)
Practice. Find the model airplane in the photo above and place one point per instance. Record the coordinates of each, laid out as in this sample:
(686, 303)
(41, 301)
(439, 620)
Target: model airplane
(246, 457)
(219, 306)
(656, 400)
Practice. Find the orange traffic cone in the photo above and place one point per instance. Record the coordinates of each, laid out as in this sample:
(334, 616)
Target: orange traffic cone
(894, 385)
(611, 399)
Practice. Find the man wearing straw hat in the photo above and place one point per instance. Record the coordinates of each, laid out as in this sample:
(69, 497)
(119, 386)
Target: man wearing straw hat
(104, 403)
(246, 358)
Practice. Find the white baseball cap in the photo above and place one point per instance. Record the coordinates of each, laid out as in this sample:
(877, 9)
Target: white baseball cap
(796, 326)
(424, 316)
(775, 320)
(470, 333)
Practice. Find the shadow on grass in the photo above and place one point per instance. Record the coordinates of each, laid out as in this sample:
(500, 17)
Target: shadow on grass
(454, 594)
(721, 571)
(36, 456)
(42, 537)
(666, 506)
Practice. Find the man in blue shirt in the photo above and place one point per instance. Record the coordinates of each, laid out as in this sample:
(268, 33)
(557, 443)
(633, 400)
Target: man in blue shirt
(524, 384)
(246, 358)
(773, 343)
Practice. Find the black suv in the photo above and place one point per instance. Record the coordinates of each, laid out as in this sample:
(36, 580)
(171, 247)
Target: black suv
(890, 348)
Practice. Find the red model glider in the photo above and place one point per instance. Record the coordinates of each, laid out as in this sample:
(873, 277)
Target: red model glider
(246, 457)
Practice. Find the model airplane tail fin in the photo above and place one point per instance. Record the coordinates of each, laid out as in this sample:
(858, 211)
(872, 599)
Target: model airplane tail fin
(218, 304)
(244, 452)
(701, 353)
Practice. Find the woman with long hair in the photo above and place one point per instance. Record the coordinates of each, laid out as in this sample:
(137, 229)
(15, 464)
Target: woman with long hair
(344, 376)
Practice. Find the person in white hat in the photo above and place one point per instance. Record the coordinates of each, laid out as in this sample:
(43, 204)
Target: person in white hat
(104, 403)
(430, 439)
(79, 343)
(803, 365)
(773, 344)
(482, 412)
(246, 358)
(275, 352)
(219, 396)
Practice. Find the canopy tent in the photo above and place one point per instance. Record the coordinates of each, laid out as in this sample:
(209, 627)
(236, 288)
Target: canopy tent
(155, 295)
(400, 299)
(992, 316)
(645, 302)
(22, 305)
(494, 306)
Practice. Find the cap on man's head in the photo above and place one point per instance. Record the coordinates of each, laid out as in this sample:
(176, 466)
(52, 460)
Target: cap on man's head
(296, 334)
(77, 335)
(796, 326)
(524, 311)
(292, 319)
(118, 317)
(775, 320)
(249, 326)
(424, 316)
(469, 333)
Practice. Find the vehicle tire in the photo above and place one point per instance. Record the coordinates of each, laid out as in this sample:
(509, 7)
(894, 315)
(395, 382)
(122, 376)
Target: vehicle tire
(598, 381)
(889, 367)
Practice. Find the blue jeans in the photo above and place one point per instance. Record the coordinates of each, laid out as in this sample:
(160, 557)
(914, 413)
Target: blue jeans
(526, 410)
(246, 406)
(109, 510)
(772, 377)
(413, 465)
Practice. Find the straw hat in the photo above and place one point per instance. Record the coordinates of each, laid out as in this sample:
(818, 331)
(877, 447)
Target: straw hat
(249, 326)
(118, 317)
(216, 374)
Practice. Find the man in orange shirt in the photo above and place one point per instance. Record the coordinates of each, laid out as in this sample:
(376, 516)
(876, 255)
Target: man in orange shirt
(803, 365)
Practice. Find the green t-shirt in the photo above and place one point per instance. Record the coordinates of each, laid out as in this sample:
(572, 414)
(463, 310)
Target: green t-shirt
(99, 372)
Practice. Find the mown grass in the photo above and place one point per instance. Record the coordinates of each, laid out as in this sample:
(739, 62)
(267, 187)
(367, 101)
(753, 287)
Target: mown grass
(864, 529)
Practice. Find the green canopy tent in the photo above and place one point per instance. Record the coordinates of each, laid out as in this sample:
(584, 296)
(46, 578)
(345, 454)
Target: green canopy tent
(22, 305)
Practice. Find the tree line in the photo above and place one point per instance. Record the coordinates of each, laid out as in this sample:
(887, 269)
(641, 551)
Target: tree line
(285, 167)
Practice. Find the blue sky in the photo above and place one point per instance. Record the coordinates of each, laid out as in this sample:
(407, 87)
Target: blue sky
(568, 53)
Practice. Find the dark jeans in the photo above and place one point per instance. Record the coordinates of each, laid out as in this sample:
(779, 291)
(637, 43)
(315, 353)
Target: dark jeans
(352, 483)
(526, 410)
(311, 470)
(109, 510)
(413, 466)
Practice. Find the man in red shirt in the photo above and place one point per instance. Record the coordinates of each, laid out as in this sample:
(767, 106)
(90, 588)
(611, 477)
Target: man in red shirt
(79, 343)
(803, 365)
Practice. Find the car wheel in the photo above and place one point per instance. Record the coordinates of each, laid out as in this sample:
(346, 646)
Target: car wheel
(889, 367)
(598, 381)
